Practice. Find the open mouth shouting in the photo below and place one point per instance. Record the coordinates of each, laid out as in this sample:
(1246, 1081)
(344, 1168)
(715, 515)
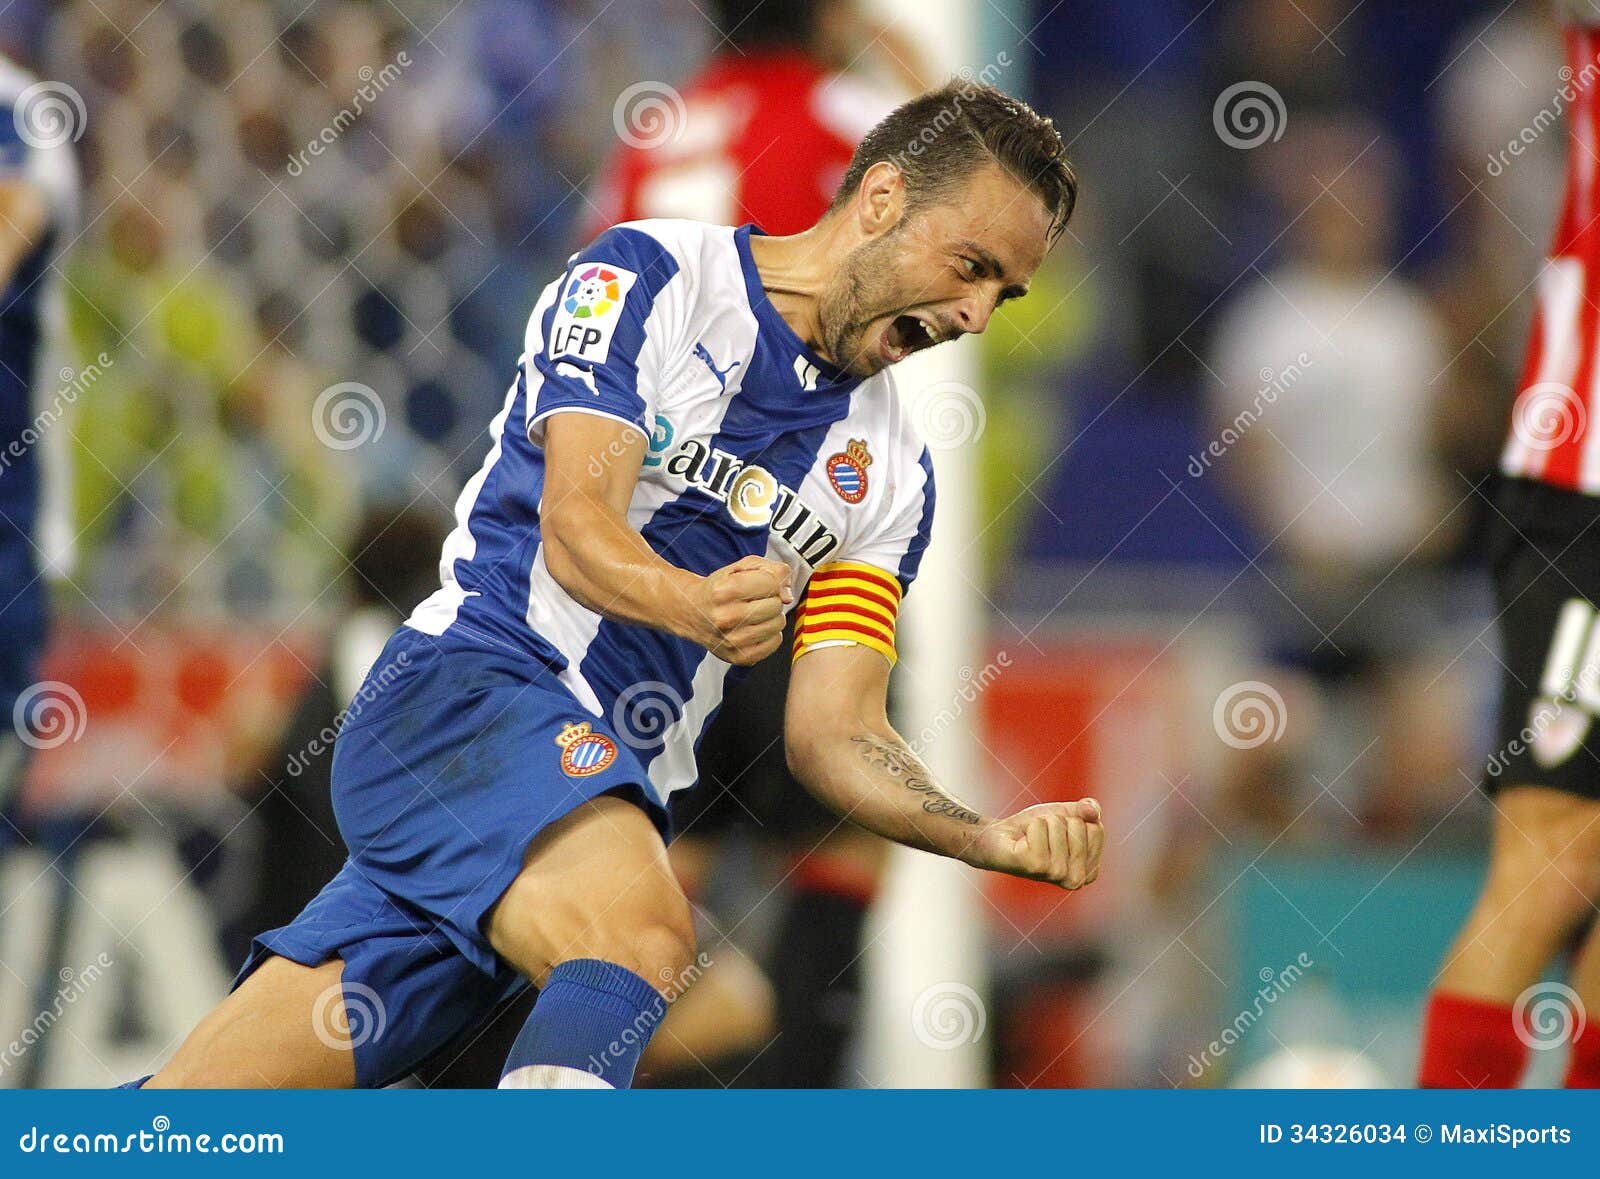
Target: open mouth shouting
(910, 333)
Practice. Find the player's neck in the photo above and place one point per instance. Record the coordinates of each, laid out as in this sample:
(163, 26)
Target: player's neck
(794, 272)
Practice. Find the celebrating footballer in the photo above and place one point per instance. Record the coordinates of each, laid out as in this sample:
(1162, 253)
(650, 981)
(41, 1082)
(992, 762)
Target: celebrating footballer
(701, 436)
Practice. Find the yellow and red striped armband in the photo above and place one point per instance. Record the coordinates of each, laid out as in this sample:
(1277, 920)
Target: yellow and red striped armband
(848, 602)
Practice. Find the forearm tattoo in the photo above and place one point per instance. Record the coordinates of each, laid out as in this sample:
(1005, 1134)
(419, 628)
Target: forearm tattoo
(901, 763)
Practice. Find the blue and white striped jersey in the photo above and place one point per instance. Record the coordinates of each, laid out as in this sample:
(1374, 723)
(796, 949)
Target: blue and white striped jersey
(757, 446)
(36, 539)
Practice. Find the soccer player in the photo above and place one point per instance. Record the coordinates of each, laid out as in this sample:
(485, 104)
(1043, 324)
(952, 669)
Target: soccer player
(770, 125)
(770, 122)
(700, 436)
(1544, 868)
(38, 210)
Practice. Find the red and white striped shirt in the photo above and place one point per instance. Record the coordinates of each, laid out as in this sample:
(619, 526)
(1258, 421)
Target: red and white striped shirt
(764, 137)
(1553, 438)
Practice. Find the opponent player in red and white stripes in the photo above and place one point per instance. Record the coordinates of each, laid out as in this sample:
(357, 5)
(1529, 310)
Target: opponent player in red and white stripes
(1489, 1006)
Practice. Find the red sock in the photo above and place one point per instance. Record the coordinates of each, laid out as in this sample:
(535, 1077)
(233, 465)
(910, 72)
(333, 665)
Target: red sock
(1470, 1044)
(1583, 1066)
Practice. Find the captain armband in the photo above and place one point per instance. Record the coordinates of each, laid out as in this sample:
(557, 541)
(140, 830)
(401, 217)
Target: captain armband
(848, 602)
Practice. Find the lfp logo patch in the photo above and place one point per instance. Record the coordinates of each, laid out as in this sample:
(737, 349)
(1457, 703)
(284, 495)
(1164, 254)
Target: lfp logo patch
(593, 292)
(584, 751)
(590, 309)
(847, 471)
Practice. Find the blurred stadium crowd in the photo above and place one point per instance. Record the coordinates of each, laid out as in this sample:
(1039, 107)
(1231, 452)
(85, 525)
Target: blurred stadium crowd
(1236, 451)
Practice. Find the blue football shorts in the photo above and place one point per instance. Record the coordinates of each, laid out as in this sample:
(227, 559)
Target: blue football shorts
(454, 755)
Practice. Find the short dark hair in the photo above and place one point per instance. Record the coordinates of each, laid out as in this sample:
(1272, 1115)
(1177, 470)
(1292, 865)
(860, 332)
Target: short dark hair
(767, 24)
(940, 139)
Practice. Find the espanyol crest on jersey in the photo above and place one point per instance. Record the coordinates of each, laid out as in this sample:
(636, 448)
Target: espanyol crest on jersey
(847, 471)
(757, 446)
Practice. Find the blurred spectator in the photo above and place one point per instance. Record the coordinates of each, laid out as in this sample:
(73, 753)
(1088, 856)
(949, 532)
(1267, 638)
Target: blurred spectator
(1498, 76)
(1330, 358)
(39, 213)
(1496, 99)
(1331, 365)
(1297, 48)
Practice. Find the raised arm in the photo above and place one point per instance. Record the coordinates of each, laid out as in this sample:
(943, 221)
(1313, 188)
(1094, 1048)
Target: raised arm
(841, 746)
(593, 553)
(594, 355)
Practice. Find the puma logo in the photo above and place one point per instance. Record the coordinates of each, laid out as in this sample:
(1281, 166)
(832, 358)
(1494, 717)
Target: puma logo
(720, 373)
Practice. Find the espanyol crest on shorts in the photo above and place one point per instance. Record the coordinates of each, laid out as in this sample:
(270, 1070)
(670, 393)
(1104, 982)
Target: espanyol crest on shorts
(847, 471)
(584, 751)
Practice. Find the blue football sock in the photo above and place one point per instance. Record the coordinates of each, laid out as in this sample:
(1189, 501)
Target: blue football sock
(587, 1030)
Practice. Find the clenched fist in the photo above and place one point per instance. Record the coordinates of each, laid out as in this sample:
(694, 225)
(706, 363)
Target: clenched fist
(1058, 842)
(740, 609)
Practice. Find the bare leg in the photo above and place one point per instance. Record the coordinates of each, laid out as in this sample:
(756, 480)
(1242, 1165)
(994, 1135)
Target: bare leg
(1544, 875)
(597, 884)
(727, 1011)
(1583, 1063)
(597, 919)
(1586, 972)
(277, 1031)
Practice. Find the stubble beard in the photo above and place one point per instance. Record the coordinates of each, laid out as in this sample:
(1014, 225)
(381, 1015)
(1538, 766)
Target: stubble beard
(864, 279)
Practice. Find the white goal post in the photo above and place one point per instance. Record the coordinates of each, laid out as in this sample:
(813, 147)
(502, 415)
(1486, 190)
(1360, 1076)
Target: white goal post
(927, 993)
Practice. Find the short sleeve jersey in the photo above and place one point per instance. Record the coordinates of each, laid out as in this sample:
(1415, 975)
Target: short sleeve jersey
(757, 446)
